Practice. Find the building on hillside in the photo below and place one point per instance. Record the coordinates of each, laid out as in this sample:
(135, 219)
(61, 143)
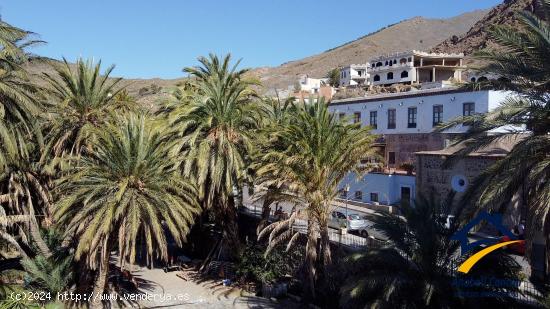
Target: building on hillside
(308, 84)
(354, 75)
(416, 67)
(325, 91)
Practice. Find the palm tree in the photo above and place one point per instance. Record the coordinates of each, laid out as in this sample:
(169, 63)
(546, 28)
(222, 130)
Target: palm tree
(49, 274)
(318, 152)
(124, 102)
(523, 65)
(416, 269)
(277, 113)
(333, 77)
(213, 131)
(125, 194)
(83, 97)
(25, 179)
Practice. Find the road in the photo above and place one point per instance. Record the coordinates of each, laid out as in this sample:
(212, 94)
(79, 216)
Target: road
(255, 207)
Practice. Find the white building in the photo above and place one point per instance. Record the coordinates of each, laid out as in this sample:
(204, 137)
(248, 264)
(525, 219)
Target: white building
(354, 75)
(416, 111)
(311, 85)
(416, 67)
(405, 123)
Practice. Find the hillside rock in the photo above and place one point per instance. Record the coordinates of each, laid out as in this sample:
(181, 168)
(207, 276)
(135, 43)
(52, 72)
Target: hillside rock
(477, 37)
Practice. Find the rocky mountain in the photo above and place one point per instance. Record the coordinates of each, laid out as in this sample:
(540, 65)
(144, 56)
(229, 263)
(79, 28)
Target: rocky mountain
(416, 33)
(477, 37)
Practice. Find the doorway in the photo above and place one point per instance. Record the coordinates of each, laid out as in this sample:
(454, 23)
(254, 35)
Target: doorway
(405, 196)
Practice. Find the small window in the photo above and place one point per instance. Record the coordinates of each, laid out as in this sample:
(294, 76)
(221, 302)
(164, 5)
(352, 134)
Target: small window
(358, 195)
(343, 193)
(391, 118)
(357, 117)
(468, 109)
(411, 117)
(390, 75)
(402, 60)
(409, 59)
(391, 157)
(373, 119)
(376, 78)
(404, 74)
(379, 64)
(437, 114)
(374, 197)
(473, 79)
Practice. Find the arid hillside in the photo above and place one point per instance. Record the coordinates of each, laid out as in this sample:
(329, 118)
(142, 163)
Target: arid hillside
(416, 33)
(477, 37)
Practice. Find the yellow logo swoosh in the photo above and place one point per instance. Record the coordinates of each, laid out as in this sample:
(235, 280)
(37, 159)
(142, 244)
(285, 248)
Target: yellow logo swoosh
(471, 261)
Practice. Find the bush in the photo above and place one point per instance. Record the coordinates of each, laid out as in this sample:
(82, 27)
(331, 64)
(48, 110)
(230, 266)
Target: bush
(255, 266)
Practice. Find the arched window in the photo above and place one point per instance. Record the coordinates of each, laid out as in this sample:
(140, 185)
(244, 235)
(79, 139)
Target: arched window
(379, 64)
(482, 79)
(376, 78)
(402, 60)
(390, 75)
(394, 61)
(404, 74)
(386, 62)
(473, 79)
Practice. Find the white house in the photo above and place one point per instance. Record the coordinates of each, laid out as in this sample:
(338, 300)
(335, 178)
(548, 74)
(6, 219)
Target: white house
(354, 75)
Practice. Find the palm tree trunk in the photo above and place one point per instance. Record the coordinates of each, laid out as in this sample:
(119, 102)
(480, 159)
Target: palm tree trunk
(266, 210)
(231, 228)
(102, 275)
(311, 258)
(325, 243)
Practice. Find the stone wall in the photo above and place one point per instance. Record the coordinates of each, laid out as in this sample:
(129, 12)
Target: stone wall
(405, 145)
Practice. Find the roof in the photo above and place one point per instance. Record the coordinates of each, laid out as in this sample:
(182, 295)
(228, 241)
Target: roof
(399, 95)
(498, 148)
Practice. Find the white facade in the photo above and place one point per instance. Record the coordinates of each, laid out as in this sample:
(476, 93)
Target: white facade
(309, 84)
(354, 74)
(379, 188)
(415, 67)
(450, 103)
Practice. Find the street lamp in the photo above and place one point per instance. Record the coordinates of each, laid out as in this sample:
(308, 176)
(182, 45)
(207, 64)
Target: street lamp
(346, 188)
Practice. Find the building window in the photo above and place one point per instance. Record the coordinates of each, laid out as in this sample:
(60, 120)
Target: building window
(437, 115)
(404, 74)
(343, 193)
(391, 157)
(468, 109)
(374, 197)
(376, 78)
(391, 118)
(390, 75)
(341, 116)
(356, 117)
(411, 117)
(358, 195)
(373, 120)
(402, 60)
(379, 64)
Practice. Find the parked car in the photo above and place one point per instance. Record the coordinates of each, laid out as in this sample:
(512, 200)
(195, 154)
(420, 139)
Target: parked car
(353, 222)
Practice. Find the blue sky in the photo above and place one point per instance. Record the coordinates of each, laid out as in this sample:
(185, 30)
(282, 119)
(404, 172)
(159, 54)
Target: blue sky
(157, 38)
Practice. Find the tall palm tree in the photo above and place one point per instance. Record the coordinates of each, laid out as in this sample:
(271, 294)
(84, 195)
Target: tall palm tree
(83, 97)
(126, 194)
(213, 131)
(318, 152)
(277, 113)
(523, 64)
(416, 269)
